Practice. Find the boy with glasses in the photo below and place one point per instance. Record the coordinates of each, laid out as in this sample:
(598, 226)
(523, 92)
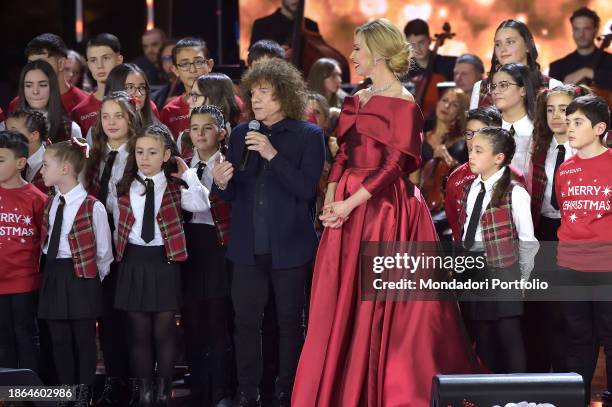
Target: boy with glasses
(190, 60)
(103, 53)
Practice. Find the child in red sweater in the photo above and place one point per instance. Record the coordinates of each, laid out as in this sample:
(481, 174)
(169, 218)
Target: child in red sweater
(583, 185)
(21, 212)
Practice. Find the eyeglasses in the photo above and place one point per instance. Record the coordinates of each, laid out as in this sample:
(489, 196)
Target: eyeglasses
(503, 85)
(166, 58)
(197, 64)
(131, 89)
(468, 134)
(196, 96)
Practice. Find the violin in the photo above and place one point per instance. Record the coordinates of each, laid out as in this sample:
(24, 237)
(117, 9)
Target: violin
(426, 92)
(308, 46)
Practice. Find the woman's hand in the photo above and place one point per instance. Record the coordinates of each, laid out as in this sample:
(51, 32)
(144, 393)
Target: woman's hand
(335, 214)
(442, 152)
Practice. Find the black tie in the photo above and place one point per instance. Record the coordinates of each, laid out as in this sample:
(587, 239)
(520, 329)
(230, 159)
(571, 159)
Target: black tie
(24, 172)
(474, 218)
(106, 174)
(200, 171)
(57, 230)
(512, 131)
(148, 217)
(560, 159)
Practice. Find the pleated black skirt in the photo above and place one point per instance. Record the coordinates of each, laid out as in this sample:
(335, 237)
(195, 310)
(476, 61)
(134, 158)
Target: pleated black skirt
(146, 281)
(66, 296)
(205, 274)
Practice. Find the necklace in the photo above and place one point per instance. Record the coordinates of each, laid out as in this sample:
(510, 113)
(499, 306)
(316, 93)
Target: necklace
(380, 90)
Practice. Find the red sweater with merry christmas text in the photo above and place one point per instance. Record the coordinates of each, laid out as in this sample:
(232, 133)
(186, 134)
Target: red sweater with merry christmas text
(584, 193)
(21, 213)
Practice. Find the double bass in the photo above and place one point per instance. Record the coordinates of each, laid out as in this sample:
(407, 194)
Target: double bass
(426, 92)
(308, 46)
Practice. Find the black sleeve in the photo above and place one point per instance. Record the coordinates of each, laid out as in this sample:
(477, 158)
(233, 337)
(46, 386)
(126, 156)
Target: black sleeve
(603, 75)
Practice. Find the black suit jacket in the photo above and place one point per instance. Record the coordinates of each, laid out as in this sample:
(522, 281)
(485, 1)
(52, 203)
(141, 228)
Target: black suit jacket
(291, 179)
(277, 27)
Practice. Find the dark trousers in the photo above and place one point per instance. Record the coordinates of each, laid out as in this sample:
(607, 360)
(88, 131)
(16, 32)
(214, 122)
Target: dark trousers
(544, 332)
(74, 350)
(19, 347)
(250, 285)
(112, 331)
(588, 324)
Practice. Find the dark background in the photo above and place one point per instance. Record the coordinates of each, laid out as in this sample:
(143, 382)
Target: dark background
(21, 20)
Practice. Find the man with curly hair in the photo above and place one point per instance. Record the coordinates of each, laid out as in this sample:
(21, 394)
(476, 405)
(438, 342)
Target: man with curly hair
(273, 242)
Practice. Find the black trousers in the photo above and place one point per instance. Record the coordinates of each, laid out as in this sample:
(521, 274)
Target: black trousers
(544, 332)
(19, 346)
(588, 324)
(74, 350)
(250, 288)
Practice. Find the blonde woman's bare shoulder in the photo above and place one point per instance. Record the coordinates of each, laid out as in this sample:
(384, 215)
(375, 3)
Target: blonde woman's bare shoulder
(405, 94)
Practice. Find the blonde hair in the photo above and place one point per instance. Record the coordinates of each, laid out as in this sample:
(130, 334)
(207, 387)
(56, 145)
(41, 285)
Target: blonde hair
(384, 38)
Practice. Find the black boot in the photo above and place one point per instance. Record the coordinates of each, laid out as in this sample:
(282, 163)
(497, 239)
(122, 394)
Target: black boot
(134, 392)
(111, 395)
(243, 401)
(163, 388)
(83, 396)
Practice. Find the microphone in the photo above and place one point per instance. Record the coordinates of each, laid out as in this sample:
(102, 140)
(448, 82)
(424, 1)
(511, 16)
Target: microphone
(244, 161)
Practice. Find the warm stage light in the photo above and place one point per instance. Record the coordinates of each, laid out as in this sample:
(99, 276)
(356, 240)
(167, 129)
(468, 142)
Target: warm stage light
(150, 22)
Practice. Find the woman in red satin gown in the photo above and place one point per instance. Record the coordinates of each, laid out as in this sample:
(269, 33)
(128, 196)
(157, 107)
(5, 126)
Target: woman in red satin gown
(375, 353)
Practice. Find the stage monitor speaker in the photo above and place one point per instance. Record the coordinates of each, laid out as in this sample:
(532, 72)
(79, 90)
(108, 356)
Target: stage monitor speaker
(559, 389)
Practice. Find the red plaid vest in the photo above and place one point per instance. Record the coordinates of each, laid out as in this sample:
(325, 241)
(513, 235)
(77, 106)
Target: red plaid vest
(169, 220)
(221, 210)
(538, 185)
(498, 230)
(82, 238)
(485, 99)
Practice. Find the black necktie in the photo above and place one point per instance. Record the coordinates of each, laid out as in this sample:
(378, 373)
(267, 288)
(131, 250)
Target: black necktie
(512, 131)
(106, 174)
(560, 159)
(57, 230)
(148, 217)
(474, 218)
(200, 171)
(24, 172)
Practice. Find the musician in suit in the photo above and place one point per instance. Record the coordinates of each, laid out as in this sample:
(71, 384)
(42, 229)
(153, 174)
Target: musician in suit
(578, 65)
(417, 34)
(278, 26)
(272, 196)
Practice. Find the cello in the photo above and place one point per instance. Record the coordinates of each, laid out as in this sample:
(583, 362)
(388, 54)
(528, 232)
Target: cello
(308, 46)
(426, 93)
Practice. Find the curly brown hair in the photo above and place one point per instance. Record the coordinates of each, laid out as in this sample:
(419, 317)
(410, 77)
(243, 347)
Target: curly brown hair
(285, 79)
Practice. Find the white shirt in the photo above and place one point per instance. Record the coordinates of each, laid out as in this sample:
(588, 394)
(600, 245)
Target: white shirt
(549, 167)
(116, 174)
(523, 136)
(75, 130)
(204, 216)
(521, 216)
(74, 199)
(552, 83)
(35, 163)
(193, 199)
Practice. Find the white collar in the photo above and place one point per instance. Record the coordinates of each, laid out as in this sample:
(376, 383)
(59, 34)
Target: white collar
(158, 179)
(37, 157)
(489, 183)
(75, 194)
(195, 160)
(522, 127)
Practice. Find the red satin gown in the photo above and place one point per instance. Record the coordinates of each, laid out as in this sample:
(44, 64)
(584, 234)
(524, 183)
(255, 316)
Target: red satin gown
(376, 353)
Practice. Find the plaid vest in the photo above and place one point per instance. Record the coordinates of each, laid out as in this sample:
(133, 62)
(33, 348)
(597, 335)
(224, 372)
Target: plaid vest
(221, 210)
(498, 230)
(82, 238)
(485, 99)
(538, 185)
(169, 220)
